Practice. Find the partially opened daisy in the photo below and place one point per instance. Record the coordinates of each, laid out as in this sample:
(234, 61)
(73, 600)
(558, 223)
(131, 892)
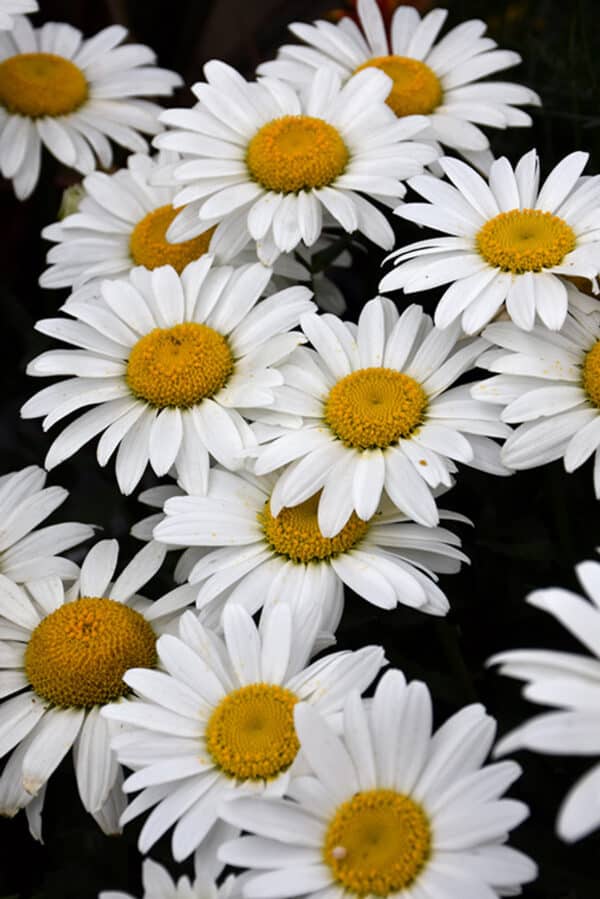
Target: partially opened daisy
(551, 383)
(158, 884)
(167, 362)
(121, 221)
(511, 242)
(570, 683)
(64, 655)
(219, 720)
(275, 161)
(27, 552)
(378, 416)
(262, 559)
(72, 95)
(11, 8)
(388, 811)
(438, 80)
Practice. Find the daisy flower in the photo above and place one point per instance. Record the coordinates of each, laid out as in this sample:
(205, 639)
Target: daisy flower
(388, 810)
(28, 553)
(274, 160)
(167, 361)
(121, 221)
(10, 8)
(71, 95)
(157, 882)
(440, 81)
(378, 415)
(551, 383)
(63, 656)
(218, 722)
(261, 558)
(511, 242)
(570, 683)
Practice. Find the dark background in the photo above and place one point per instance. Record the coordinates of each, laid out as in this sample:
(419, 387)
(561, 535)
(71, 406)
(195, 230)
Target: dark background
(529, 531)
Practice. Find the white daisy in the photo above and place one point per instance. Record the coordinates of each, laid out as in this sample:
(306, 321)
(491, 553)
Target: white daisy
(378, 415)
(219, 722)
(551, 382)
(440, 81)
(73, 95)
(27, 554)
(571, 683)
(511, 243)
(11, 8)
(261, 155)
(121, 221)
(389, 809)
(158, 884)
(168, 361)
(63, 656)
(261, 559)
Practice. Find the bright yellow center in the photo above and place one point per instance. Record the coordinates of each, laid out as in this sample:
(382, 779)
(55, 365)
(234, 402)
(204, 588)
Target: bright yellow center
(525, 240)
(296, 152)
(295, 533)
(377, 843)
(251, 734)
(416, 89)
(179, 366)
(149, 246)
(77, 656)
(591, 374)
(375, 407)
(41, 84)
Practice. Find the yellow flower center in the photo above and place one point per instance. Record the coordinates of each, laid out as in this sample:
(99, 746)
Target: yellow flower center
(295, 533)
(377, 843)
(416, 89)
(591, 374)
(296, 152)
(179, 366)
(149, 246)
(251, 734)
(375, 407)
(77, 656)
(41, 84)
(525, 240)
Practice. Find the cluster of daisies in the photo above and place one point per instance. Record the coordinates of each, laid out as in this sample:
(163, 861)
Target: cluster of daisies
(300, 453)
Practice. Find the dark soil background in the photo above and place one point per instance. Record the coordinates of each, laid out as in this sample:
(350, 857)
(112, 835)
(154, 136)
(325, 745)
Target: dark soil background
(529, 530)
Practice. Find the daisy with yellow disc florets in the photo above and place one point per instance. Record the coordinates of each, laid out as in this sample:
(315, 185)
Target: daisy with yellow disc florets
(438, 80)
(219, 721)
(64, 655)
(378, 416)
(167, 362)
(277, 160)
(388, 810)
(549, 384)
(72, 95)
(512, 243)
(246, 554)
(28, 553)
(11, 8)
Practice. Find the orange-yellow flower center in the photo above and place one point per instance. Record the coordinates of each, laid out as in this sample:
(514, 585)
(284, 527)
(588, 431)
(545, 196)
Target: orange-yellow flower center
(41, 84)
(295, 533)
(377, 843)
(251, 734)
(296, 152)
(179, 366)
(77, 656)
(416, 89)
(525, 240)
(149, 246)
(591, 374)
(375, 407)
